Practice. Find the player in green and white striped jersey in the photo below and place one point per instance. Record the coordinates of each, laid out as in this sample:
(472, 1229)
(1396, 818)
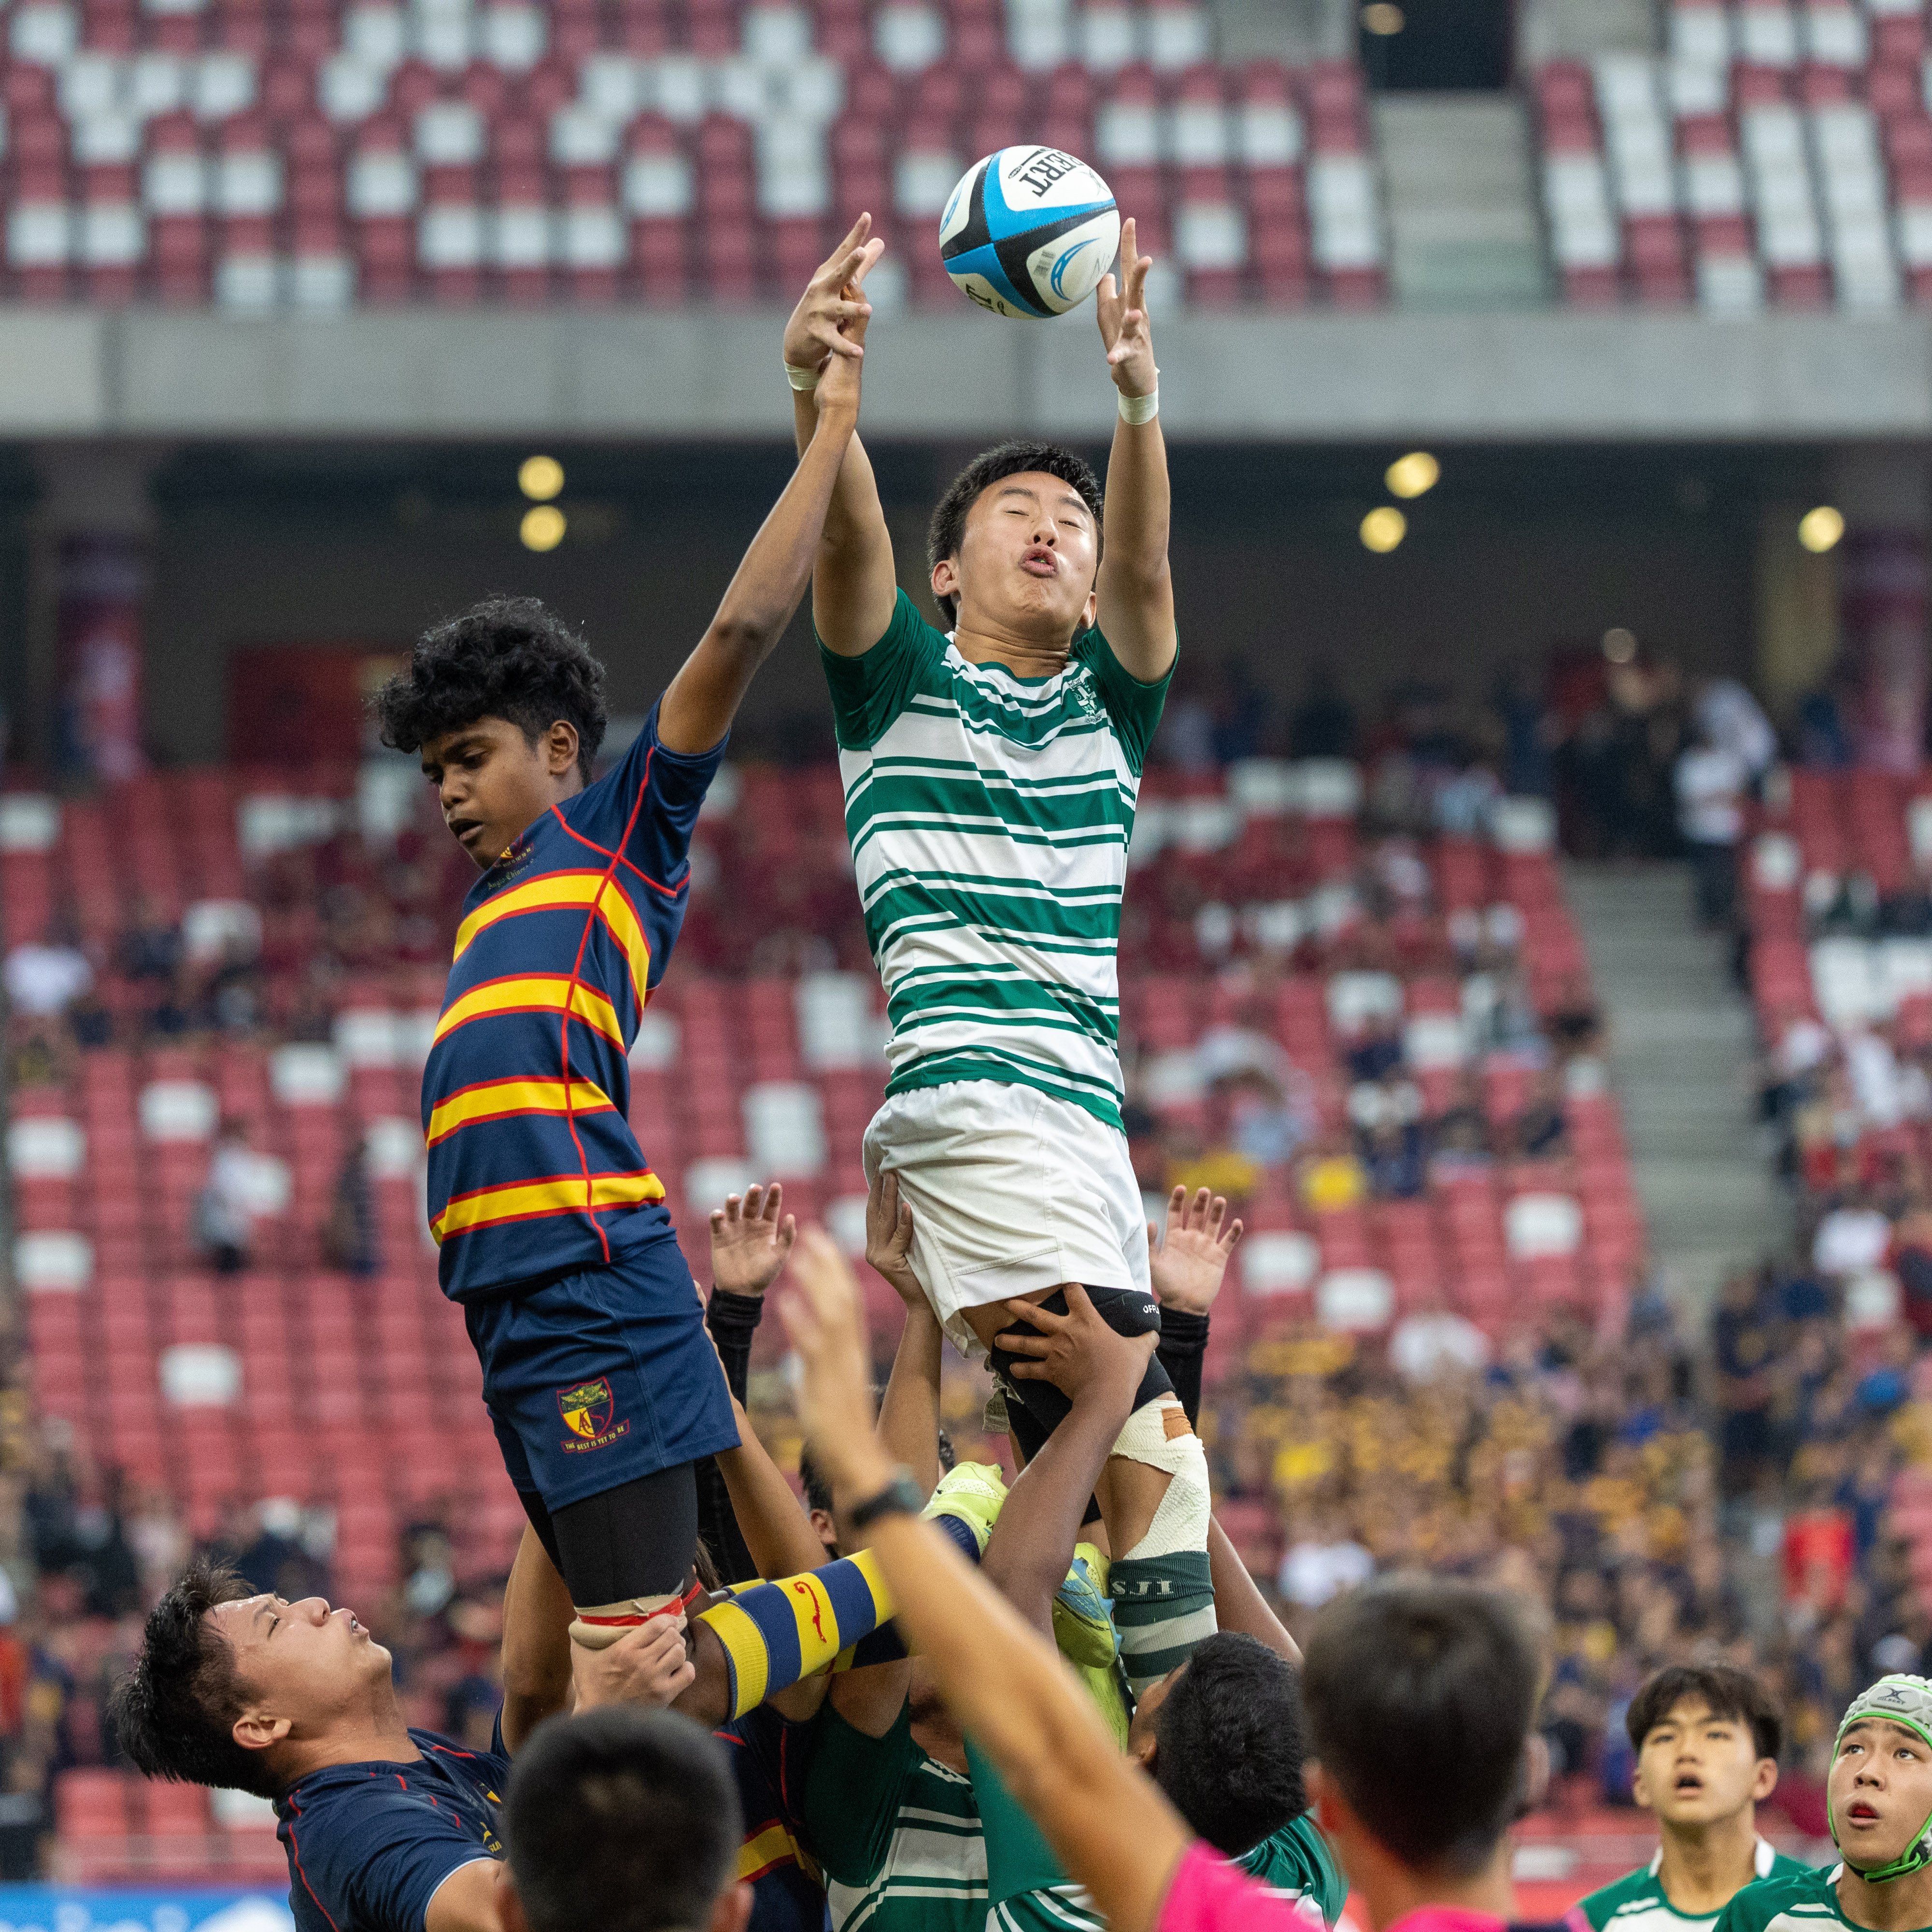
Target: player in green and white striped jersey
(1707, 1738)
(990, 775)
(1878, 1803)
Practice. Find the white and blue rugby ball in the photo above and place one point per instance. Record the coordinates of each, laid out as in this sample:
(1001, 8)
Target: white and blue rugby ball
(1029, 232)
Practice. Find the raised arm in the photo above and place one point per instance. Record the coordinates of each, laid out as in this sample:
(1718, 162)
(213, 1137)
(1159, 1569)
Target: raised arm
(702, 699)
(1136, 608)
(1099, 1371)
(1109, 1825)
(853, 583)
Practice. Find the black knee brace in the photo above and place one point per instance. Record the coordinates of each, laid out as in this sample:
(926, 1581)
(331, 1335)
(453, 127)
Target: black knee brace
(1126, 1311)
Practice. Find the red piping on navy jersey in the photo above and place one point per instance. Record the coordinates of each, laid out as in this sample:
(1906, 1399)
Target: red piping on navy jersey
(570, 998)
(295, 1851)
(604, 852)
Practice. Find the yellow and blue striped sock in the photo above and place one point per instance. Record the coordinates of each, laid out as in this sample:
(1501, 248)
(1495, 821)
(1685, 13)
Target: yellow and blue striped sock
(775, 1634)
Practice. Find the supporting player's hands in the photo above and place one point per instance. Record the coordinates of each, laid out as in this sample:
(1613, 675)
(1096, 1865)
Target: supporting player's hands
(751, 1240)
(834, 300)
(1077, 1351)
(1190, 1262)
(1121, 306)
(889, 1238)
(826, 1323)
(650, 1665)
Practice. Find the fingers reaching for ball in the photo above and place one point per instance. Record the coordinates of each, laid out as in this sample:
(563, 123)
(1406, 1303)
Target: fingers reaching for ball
(828, 321)
(1120, 306)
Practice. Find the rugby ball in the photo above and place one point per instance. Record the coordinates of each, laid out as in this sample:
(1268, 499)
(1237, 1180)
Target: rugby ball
(1029, 232)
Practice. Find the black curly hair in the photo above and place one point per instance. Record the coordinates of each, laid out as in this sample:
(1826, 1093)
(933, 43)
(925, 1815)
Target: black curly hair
(1228, 1743)
(1010, 459)
(174, 1713)
(507, 657)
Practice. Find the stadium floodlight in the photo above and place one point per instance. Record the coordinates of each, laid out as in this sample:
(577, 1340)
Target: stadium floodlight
(1820, 530)
(1383, 529)
(540, 478)
(543, 527)
(1382, 16)
(1620, 645)
(1415, 474)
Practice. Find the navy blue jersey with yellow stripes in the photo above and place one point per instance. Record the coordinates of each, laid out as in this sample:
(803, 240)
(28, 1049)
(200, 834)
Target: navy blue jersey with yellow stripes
(533, 1168)
(766, 1754)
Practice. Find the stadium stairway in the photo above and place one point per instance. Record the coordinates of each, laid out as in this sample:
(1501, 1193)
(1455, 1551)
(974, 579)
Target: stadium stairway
(1680, 1053)
(1460, 176)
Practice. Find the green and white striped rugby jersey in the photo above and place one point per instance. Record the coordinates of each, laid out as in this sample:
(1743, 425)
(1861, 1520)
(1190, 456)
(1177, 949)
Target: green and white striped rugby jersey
(1802, 1901)
(989, 816)
(1636, 1902)
(897, 1833)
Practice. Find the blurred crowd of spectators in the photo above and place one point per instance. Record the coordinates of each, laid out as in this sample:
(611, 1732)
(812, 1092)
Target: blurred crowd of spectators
(1666, 1496)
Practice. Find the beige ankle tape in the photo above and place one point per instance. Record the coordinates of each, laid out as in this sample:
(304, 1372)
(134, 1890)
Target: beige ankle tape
(597, 1626)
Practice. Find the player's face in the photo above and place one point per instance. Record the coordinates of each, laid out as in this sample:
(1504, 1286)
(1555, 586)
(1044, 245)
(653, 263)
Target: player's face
(1696, 1767)
(1028, 557)
(491, 782)
(302, 1661)
(1880, 1788)
(1147, 1709)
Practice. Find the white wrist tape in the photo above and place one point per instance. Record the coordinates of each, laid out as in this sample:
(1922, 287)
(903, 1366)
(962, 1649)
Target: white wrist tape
(1140, 408)
(803, 380)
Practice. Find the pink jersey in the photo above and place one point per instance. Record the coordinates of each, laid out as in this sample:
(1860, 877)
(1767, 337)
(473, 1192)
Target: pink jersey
(1208, 1894)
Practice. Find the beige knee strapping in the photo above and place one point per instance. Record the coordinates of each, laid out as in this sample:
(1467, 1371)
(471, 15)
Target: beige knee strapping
(1181, 1522)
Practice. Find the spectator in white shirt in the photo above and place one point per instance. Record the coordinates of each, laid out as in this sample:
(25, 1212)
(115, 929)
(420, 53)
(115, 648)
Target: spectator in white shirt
(1710, 783)
(1431, 1340)
(224, 1210)
(1850, 1238)
(1734, 721)
(1873, 1069)
(1322, 1562)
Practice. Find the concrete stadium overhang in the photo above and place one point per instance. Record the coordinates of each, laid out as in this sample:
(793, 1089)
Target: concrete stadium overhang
(1542, 375)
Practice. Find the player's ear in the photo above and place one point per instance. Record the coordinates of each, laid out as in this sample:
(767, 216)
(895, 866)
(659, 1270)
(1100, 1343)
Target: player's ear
(1765, 1782)
(946, 577)
(560, 748)
(257, 1730)
(1092, 610)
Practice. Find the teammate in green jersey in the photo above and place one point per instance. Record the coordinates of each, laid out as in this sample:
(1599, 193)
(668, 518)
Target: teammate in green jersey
(1707, 1738)
(1878, 1802)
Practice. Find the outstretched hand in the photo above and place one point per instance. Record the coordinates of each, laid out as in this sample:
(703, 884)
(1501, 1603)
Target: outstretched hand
(1076, 1351)
(1189, 1263)
(826, 1323)
(1121, 309)
(834, 303)
(751, 1240)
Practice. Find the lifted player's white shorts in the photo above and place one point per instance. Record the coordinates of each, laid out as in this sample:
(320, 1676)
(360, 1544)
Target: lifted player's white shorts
(1012, 1191)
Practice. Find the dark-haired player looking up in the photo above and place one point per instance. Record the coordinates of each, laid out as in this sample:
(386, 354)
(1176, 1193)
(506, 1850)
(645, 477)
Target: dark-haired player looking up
(1706, 1737)
(553, 1230)
(991, 774)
